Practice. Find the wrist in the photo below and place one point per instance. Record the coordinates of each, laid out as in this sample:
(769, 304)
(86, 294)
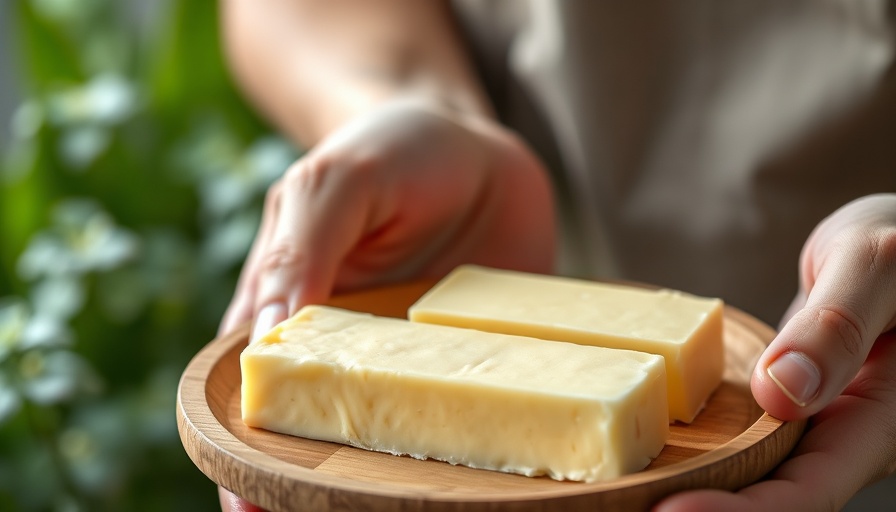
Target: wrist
(462, 107)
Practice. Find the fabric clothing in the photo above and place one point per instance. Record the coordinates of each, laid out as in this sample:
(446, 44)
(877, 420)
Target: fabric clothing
(695, 144)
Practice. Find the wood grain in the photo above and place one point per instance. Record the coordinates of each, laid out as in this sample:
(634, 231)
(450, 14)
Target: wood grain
(731, 443)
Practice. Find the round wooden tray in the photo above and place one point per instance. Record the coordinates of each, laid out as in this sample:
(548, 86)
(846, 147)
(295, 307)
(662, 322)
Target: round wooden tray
(731, 443)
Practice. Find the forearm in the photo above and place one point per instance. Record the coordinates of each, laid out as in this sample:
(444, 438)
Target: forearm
(310, 65)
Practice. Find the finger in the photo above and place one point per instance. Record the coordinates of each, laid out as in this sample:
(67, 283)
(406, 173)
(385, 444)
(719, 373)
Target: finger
(323, 213)
(804, 492)
(240, 309)
(821, 348)
(238, 312)
(232, 503)
(848, 445)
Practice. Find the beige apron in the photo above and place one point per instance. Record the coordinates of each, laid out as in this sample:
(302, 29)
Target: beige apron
(695, 144)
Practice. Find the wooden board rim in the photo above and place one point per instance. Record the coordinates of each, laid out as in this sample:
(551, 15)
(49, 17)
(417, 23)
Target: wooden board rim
(212, 449)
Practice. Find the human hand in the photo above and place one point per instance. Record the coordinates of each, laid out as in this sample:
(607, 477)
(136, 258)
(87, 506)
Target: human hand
(405, 190)
(833, 361)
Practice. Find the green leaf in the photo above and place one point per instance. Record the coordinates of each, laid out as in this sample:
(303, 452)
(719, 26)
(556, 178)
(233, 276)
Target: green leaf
(46, 50)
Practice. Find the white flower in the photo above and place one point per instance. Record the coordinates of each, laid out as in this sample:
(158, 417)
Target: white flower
(84, 239)
(106, 100)
(52, 377)
(80, 146)
(111, 98)
(27, 120)
(13, 320)
(58, 297)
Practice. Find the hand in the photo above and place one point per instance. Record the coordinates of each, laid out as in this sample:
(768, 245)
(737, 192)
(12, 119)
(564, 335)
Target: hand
(232, 503)
(405, 190)
(834, 360)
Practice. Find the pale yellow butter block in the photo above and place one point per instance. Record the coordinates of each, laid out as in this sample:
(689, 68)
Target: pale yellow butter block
(484, 400)
(686, 330)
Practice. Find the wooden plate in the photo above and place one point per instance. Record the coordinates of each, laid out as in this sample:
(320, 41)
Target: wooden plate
(731, 444)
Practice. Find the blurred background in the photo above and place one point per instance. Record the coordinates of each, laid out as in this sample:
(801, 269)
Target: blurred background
(131, 179)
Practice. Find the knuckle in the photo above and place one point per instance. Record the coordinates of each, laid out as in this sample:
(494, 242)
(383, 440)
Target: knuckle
(308, 173)
(848, 326)
(279, 257)
(316, 173)
(882, 253)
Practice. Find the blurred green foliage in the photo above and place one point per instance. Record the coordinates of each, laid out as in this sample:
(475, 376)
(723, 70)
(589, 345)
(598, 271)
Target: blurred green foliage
(129, 195)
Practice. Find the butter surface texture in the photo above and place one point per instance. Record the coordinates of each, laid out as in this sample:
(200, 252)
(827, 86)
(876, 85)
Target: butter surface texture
(686, 330)
(484, 400)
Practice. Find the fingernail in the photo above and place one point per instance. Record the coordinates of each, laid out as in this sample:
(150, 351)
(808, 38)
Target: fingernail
(797, 377)
(267, 318)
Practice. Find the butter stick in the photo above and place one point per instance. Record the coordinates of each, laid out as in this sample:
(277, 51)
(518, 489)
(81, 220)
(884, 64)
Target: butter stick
(484, 400)
(686, 330)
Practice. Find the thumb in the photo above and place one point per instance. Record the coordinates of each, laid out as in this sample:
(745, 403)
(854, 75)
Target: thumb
(849, 303)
